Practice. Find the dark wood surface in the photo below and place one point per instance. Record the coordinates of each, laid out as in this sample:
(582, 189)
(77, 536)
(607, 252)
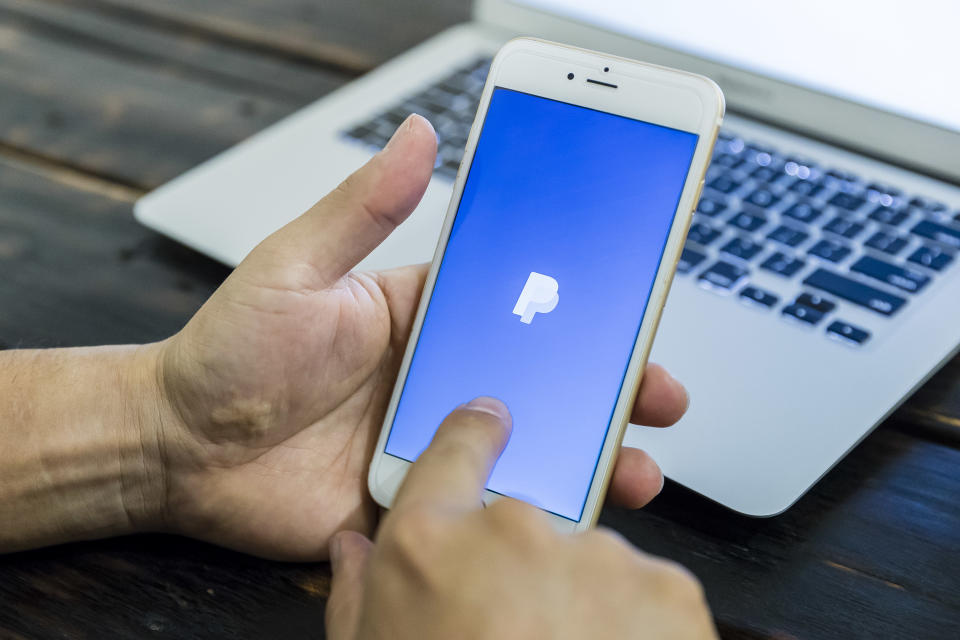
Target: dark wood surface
(101, 100)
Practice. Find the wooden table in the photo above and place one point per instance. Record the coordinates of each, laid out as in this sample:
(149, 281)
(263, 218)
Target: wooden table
(102, 100)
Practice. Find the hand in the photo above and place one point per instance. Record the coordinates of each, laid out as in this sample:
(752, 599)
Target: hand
(442, 567)
(276, 390)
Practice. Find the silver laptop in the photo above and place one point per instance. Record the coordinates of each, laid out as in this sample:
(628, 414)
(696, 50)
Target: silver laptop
(820, 284)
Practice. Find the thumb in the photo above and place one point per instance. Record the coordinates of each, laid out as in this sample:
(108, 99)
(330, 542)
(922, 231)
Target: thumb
(337, 232)
(349, 553)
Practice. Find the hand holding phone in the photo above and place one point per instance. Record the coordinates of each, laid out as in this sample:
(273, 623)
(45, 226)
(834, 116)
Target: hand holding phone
(443, 567)
(566, 223)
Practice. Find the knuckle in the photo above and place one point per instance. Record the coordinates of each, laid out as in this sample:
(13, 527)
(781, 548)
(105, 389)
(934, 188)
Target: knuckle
(519, 519)
(670, 580)
(345, 190)
(610, 539)
(609, 546)
(409, 531)
(678, 582)
(355, 191)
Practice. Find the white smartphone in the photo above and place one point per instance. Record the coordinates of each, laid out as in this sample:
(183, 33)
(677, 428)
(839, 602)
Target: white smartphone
(567, 220)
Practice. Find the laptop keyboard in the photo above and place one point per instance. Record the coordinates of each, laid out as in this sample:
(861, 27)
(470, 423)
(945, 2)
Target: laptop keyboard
(848, 241)
(450, 105)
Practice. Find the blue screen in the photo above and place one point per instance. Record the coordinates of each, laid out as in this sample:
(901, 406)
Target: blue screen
(542, 288)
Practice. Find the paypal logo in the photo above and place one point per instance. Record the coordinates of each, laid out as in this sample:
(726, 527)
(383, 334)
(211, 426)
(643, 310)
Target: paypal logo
(539, 295)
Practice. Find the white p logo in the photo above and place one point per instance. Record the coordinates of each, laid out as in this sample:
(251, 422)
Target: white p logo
(539, 295)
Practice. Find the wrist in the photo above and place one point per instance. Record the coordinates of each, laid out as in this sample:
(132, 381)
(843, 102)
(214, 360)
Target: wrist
(146, 419)
(82, 447)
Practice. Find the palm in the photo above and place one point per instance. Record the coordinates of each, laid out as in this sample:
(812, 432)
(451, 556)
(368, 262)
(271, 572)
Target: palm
(289, 405)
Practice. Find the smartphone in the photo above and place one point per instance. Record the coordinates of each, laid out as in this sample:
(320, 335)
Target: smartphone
(567, 220)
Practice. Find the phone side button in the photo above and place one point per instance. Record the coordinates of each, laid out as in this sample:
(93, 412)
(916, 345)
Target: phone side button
(696, 199)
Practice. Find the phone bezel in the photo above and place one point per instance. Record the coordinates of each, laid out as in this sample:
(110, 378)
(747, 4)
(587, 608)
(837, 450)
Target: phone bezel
(651, 93)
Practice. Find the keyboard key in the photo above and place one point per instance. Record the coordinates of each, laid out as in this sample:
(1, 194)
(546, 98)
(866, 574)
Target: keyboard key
(855, 292)
(883, 189)
(830, 250)
(761, 155)
(758, 296)
(805, 187)
(800, 168)
(815, 302)
(906, 279)
(689, 260)
(803, 211)
(747, 221)
(928, 205)
(450, 153)
(788, 235)
(767, 174)
(890, 215)
(842, 176)
(931, 257)
(702, 234)
(449, 168)
(724, 184)
(727, 160)
(709, 207)
(369, 133)
(846, 201)
(804, 314)
(782, 264)
(939, 232)
(847, 332)
(359, 132)
(734, 145)
(763, 198)
(844, 227)
(887, 242)
(742, 248)
(723, 275)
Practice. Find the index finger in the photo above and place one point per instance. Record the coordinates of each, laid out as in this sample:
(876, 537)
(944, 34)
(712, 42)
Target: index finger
(454, 469)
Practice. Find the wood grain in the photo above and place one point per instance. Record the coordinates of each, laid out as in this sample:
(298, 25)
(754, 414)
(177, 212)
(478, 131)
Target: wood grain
(351, 36)
(131, 122)
(171, 51)
(872, 551)
(78, 270)
(158, 587)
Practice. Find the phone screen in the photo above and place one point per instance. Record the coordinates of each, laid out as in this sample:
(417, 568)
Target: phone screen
(542, 288)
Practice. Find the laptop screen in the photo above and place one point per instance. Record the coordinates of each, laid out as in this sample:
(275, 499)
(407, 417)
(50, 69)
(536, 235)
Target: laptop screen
(893, 55)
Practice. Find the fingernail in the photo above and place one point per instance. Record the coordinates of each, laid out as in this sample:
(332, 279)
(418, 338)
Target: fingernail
(405, 127)
(494, 407)
(335, 551)
(663, 481)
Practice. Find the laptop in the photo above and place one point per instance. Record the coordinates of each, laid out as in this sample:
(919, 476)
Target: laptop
(820, 284)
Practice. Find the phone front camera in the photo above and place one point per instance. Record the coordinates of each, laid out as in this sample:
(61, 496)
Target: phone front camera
(605, 69)
(569, 76)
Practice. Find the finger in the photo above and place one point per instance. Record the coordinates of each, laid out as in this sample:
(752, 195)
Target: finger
(661, 401)
(346, 225)
(453, 470)
(349, 553)
(402, 288)
(636, 479)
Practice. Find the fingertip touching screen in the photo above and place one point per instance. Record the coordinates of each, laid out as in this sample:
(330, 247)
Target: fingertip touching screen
(542, 288)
